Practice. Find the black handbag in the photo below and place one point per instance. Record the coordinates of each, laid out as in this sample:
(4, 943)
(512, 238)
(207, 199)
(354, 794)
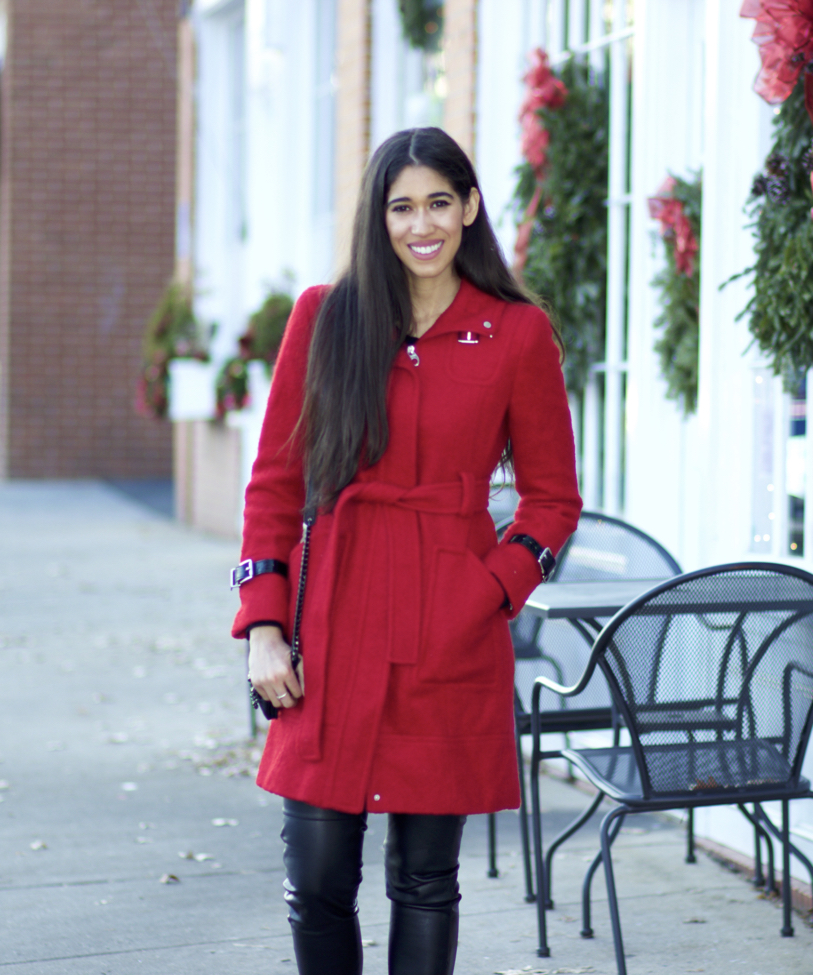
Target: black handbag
(267, 707)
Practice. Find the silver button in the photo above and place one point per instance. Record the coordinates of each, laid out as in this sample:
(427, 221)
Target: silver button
(376, 797)
(486, 324)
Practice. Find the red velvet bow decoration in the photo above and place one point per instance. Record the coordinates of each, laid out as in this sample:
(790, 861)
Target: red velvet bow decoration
(784, 34)
(543, 90)
(675, 226)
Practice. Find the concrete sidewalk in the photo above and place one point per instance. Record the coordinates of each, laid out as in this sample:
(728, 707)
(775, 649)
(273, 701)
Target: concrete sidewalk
(123, 744)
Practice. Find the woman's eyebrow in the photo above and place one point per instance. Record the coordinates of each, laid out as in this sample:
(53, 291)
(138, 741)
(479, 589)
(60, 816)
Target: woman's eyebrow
(408, 199)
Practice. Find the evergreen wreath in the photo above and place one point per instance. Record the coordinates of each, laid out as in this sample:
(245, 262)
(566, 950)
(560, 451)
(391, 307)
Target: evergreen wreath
(678, 207)
(172, 332)
(781, 308)
(562, 189)
(422, 23)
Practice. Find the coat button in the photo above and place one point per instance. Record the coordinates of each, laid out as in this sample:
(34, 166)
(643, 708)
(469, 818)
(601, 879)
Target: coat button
(486, 324)
(376, 797)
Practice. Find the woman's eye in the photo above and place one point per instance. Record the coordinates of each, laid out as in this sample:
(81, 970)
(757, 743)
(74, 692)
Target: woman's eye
(440, 203)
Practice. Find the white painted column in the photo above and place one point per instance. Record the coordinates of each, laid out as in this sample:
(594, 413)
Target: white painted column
(616, 266)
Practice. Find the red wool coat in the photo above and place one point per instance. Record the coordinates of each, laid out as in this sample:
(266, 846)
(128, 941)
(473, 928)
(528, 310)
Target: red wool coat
(408, 661)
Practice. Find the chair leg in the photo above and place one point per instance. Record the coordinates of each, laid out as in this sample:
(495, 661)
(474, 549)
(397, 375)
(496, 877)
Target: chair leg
(615, 920)
(760, 833)
(759, 877)
(492, 845)
(565, 835)
(787, 927)
(793, 849)
(530, 896)
(587, 930)
(690, 857)
(543, 951)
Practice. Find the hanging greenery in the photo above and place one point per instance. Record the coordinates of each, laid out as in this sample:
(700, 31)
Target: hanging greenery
(172, 332)
(260, 341)
(422, 23)
(562, 189)
(781, 308)
(678, 208)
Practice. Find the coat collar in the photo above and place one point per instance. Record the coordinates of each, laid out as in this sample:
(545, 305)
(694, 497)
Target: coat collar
(471, 311)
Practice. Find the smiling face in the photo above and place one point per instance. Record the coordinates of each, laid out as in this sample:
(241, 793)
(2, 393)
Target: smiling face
(425, 220)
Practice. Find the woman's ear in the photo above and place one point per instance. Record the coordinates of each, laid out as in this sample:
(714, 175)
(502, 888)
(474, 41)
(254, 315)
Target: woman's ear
(471, 207)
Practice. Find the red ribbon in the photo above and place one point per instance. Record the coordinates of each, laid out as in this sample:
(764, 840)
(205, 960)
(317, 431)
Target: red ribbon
(543, 90)
(784, 34)
(675, 226)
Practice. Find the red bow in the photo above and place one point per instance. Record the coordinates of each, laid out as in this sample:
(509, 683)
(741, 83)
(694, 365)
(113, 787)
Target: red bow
(675, 226)
(544, 90)
(784, 34)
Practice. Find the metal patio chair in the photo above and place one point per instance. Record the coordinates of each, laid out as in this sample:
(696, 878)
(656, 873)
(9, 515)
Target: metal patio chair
(601, 548)
(712, 673)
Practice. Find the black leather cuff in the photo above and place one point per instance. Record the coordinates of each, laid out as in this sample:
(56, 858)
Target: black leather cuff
(544, 557)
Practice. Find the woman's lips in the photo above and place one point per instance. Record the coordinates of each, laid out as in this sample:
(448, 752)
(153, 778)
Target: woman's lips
(427, 250)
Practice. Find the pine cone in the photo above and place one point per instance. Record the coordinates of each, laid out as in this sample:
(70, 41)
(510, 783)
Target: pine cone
(777, 164)
(777, 189)
(759, 186)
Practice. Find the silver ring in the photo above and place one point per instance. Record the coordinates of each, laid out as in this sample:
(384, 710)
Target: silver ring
(281, 696)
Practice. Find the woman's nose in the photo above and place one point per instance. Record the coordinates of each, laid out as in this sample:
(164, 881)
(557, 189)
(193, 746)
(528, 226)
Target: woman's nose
(421, 222)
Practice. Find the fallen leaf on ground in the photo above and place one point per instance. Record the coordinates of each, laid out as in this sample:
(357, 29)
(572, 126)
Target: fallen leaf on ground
(169, 878)
(367, 943)
(38, 845)
(200, 857)
(186, 856)
(695, 920)
(225, 822)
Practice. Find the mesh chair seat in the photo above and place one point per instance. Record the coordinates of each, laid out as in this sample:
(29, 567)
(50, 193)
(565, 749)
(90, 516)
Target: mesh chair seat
(694, 771)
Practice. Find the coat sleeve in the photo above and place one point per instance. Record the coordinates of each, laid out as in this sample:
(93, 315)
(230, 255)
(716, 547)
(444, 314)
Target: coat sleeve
(275, 494)
(541, 435)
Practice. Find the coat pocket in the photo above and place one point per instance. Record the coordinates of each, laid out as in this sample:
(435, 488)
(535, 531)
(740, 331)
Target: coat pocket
(460, 643)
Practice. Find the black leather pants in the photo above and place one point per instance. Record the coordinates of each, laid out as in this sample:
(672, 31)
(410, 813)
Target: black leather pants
(322, 859)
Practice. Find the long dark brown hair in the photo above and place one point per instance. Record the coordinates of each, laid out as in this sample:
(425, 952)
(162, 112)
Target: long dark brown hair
(366, 315)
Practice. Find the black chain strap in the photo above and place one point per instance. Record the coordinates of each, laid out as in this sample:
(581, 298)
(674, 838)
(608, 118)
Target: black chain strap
(296, 655)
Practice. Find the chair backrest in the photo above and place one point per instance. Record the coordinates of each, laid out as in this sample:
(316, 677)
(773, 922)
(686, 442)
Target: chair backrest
(601, 548)
(608, 548)
(713, 674)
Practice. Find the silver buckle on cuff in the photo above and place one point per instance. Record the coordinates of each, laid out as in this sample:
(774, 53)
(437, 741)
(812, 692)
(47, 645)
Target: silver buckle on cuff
(246, 572)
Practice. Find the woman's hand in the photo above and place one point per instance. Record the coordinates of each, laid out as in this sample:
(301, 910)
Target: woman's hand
(269, 667)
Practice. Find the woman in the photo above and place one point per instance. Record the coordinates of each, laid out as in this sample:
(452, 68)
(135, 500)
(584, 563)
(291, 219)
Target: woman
(395, 395)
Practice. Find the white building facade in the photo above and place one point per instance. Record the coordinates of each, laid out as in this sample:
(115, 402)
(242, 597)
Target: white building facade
(724, 484)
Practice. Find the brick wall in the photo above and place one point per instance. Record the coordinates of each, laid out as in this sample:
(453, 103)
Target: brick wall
(88, 185)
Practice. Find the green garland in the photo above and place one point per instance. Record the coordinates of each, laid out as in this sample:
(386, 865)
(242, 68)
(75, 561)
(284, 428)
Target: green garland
(172, 332)
(678, 346)
(781, 309)
(567, 253)
(422, 23)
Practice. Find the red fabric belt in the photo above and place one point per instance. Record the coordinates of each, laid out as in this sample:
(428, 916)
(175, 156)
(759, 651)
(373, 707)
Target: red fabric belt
(394, 531)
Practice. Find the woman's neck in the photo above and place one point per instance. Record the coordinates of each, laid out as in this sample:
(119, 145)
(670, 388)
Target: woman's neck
(430, 299)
